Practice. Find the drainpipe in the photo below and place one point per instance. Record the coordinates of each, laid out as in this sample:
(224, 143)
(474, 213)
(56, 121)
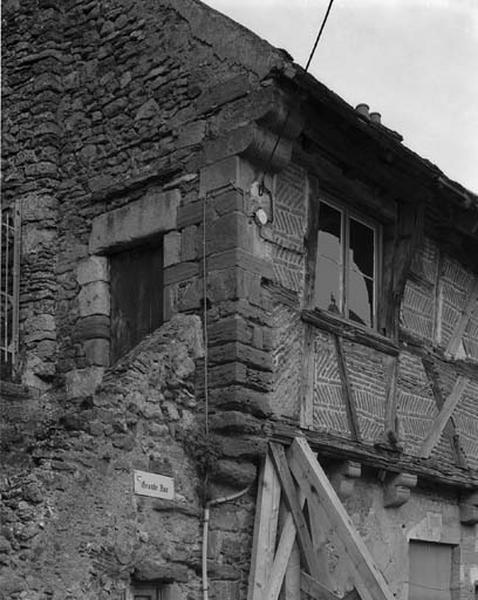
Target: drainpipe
(205, 531)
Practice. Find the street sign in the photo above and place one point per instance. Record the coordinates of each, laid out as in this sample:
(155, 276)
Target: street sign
(152, 484)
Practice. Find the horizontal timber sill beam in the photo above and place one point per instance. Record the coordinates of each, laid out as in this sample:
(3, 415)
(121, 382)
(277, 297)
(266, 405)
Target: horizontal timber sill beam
(337, 448)
(340, 326)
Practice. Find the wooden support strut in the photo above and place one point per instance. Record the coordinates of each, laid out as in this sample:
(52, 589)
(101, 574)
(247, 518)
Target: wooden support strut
(310, 476)
(265, 530)
(290, 495)
(347, 390)
(441, 420)
(450, 427)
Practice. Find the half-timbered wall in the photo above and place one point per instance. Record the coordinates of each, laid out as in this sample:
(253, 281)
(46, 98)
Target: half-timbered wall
(345, 389)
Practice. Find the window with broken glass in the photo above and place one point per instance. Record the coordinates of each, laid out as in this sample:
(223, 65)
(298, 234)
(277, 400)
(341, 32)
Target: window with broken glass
(9, 287)
(346, 276)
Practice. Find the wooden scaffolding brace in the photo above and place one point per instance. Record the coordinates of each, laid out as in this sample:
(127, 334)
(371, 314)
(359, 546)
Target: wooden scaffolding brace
(287, 557)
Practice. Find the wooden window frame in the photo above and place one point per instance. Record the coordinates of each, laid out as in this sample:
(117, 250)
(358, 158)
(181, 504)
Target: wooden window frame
(346, 215)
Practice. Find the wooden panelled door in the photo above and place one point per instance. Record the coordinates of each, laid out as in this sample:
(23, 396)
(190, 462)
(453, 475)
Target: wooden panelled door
(430, 571)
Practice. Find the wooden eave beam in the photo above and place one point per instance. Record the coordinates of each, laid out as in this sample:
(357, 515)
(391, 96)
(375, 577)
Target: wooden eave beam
(335, 448)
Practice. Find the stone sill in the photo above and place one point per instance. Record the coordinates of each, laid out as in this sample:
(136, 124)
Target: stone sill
(349, 330)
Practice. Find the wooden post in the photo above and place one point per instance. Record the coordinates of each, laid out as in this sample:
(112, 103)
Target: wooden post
(265, 530)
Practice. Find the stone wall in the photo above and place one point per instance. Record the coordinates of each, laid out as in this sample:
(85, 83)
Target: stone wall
(72, 526)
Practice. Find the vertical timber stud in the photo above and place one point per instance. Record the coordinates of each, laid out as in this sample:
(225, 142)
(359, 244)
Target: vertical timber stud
(406, 238)
(391, 367)
(442, 419)
(265, 530)
(347, 390)
(368, 579)
(308, 380)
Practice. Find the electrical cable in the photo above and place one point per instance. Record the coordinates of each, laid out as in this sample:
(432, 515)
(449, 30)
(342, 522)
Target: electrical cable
(284, 125)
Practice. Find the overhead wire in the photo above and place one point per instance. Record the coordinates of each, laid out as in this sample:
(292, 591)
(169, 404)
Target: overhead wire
(286, 119)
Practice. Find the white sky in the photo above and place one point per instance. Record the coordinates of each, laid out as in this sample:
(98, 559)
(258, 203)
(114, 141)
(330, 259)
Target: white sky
(414, 61)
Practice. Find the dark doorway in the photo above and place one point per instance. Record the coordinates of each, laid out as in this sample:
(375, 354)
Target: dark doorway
(136, 278)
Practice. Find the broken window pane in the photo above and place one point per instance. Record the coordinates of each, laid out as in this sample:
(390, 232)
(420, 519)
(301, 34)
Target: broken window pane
(329, 264)
(345, 287)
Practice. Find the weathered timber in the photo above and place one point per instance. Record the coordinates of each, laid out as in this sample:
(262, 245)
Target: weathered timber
(334, 447)
(457, 335)
(407, 234)
(391, 370)
(291, 585)
(265, 530)
(347, 391)
(450, 427)
(312, 479)
(315, 589)
(307, 380)
(290, 495)
(438, 302)
(441, 420)
(310, 240)
(282, 556)
(412, 343)
(339, 326)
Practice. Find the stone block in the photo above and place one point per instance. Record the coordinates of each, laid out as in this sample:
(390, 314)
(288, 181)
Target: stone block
(237, 397)
(237, 257)
(97, 352)
(240, 352)
(189, 243)
(83, 382)
(218, 175)
(94, 326)
(236, 474)
(172, 248)
(191, 134)
(94, 299)
(180, 272)
(154, 214)
(223, 92)
(94, 268)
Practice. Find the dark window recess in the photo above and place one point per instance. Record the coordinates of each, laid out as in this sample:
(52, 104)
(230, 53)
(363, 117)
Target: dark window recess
(146, 591)
(136, 296)
(346, 271)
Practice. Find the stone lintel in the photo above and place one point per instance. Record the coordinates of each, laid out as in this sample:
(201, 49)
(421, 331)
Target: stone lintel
(154, 214)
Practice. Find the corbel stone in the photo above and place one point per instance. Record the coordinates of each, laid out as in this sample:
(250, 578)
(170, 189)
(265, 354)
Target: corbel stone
(397, 489)
(343, 476)
(469, 509)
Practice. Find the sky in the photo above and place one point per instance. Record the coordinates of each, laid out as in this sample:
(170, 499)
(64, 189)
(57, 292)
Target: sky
(413, 61)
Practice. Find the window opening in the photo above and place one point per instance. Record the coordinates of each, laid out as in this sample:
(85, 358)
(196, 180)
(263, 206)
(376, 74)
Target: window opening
(346, 266)
(136, 277)
(9, 288)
